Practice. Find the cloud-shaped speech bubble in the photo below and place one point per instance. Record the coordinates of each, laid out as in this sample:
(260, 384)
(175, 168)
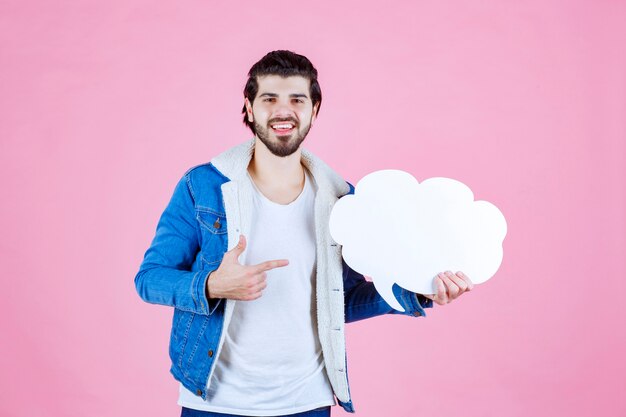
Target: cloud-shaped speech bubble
(396, 230)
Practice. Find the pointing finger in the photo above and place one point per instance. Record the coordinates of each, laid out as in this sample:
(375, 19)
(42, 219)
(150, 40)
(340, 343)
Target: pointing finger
(267, 265)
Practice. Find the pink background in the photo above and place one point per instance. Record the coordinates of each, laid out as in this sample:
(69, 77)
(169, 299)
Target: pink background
(104, 105)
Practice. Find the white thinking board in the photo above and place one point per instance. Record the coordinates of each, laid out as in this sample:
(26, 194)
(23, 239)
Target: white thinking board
(397, 230)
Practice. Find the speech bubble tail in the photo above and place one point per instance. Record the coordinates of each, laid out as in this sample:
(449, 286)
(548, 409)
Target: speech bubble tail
(387, 293)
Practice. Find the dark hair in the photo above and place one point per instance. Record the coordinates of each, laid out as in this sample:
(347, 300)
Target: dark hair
(285, 64)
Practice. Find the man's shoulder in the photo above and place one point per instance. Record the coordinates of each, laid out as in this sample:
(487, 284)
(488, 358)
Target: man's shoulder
(204, 182)
(205, 171)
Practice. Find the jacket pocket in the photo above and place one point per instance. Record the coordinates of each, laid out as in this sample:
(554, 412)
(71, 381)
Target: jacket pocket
(211, 221)
(213, 229)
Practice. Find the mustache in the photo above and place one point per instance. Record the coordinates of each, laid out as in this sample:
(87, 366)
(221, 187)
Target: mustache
(289, 119)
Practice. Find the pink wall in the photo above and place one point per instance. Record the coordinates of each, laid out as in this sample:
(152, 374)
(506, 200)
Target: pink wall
(104, 105)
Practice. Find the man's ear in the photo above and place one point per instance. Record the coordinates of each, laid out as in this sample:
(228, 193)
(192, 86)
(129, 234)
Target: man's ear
(315, 107)
(249, 110)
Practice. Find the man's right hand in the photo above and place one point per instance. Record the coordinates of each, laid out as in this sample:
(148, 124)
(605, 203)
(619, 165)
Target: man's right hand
(240, 282)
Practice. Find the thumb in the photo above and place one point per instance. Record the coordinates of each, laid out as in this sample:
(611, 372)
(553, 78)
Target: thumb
(237, 250)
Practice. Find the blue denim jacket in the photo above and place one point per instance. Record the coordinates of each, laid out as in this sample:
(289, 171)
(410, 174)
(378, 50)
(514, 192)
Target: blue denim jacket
(201, 222)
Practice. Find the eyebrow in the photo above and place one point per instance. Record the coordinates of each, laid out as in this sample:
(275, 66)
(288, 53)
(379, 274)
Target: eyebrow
(290, 95)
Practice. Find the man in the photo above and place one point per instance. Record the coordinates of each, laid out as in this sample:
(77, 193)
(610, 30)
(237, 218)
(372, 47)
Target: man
(244, 255)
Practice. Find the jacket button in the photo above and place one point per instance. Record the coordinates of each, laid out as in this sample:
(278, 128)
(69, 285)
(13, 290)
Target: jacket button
(211, 353)
(217, 224)
(199, 392)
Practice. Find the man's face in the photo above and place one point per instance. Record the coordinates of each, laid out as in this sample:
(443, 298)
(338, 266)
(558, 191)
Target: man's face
(282, 112)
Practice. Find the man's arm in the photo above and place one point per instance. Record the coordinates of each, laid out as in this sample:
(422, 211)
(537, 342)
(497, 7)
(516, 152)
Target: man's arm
(362, 301)
(165, 275)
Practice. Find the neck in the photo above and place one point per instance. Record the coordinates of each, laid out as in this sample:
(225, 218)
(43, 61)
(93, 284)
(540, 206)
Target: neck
(267, 168)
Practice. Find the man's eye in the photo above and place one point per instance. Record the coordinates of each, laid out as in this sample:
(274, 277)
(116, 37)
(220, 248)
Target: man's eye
(268, 99)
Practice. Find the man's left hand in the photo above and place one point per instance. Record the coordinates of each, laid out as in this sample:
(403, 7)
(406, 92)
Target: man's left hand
(450, 287)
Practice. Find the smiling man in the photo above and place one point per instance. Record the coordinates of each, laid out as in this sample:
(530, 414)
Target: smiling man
(243, 253)
(288, 126)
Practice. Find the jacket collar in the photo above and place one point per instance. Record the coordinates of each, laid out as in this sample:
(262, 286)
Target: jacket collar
(233, 164)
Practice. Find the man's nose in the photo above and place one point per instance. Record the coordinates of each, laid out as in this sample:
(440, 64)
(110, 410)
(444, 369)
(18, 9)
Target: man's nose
(283, 110)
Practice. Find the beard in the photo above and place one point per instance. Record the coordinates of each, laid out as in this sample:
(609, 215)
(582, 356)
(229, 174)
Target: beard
(283, 145)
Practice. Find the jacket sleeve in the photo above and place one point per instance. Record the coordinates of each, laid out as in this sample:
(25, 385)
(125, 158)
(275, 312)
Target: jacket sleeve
(165, 275)
(362, 301)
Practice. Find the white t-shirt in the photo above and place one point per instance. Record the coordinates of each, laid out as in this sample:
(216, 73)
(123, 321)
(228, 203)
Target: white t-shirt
(271, 362)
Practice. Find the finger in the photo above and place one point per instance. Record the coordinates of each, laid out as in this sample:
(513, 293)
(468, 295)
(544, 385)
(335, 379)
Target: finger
(233, 254)
(259, 287)
(260, 278)
(451, 287)
(253, 296)
(460, 282)
(267, 265)
(237, 250)
(470, 284)
(441, 295)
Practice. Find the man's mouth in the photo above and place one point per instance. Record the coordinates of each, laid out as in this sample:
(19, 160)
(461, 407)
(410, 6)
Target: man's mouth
(282, 128)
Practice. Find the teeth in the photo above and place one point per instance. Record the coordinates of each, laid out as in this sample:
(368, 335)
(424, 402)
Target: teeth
(285, 126)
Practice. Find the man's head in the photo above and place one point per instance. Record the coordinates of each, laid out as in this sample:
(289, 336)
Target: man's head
(282, 99)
